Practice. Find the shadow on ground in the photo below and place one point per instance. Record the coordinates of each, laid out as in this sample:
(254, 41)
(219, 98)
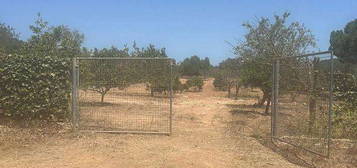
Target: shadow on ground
(97, 104)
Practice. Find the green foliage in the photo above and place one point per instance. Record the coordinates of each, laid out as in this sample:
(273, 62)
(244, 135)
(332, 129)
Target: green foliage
(34, 88)
(194, 66)
(55, 41)
(265, 41)
(344, 42)
(9, 39)
(35, 80)
(195, 82)
(177, 86)
(344, 45)
(103, 75)
(220, 81)
(345, 108)
(156, 72)
(228, 75)
(257, 73)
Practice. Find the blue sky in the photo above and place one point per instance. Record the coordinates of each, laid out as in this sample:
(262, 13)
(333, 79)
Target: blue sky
(183, 27)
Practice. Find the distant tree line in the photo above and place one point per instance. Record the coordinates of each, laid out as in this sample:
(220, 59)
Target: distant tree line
(195, 66)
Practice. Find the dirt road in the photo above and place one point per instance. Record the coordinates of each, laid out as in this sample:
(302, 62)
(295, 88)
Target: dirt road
(201, 138)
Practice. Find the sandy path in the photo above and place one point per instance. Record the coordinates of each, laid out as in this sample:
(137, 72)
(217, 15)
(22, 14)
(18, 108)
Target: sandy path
(200, 139)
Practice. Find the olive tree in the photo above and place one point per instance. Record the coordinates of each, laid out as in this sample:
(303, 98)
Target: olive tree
(103, 75)
(266, 40)
(54, 41)
(227, 76)
(154, 72)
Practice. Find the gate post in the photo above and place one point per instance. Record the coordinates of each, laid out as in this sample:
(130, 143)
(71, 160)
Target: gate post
(171, 94)
(275, 92)
(75, 94)
(330, 104)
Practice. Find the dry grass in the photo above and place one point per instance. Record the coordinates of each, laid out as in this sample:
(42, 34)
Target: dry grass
(210, 130)
(249, 120)
(128, 110)
(202, 137)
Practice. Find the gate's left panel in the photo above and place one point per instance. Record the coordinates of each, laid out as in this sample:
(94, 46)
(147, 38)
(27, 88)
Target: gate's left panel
(124, 95)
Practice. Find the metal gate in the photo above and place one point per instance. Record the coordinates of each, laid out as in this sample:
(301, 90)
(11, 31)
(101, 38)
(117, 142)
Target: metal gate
(122, 95)
(302, 101)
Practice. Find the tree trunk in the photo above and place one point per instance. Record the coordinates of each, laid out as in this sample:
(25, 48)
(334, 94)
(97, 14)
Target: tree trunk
(103, 92)
(237, 91)
(151, 92)
(267, 105)
(102, 98)
(262, 101)
(229, 91)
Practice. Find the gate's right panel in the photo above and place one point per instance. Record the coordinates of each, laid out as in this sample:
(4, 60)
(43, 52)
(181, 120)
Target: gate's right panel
(303, 105)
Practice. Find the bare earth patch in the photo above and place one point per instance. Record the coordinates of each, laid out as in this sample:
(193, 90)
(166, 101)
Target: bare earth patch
(202, 137)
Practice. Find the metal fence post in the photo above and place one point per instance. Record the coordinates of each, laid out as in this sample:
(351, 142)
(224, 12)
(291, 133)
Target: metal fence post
(74, 93)
(330, 106)
(275, 96)
(171, 95)
(272, 104)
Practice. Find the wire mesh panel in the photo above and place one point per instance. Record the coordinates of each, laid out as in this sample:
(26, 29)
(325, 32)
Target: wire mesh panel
(302, 97)
(130, 95)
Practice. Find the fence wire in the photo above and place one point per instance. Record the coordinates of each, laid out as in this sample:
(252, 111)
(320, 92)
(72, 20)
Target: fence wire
(302, 100)
(124, 95)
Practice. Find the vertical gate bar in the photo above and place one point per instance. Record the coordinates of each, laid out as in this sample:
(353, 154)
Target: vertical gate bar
(74, 93)
(330, 106)
(77, 93)
(276, 94)
(171, 95)
(273, 103)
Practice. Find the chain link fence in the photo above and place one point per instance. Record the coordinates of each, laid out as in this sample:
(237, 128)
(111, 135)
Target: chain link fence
(302, 101)
(124, 95)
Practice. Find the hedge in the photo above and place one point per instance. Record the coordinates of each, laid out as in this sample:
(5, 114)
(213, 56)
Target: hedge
(35, 88)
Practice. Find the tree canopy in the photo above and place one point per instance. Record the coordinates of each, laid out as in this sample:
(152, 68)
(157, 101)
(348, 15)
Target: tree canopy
(195, 66)
(344, 45)
(227, 75)
(268, 39)
(344, 42)
(9, 39)
(55, 41)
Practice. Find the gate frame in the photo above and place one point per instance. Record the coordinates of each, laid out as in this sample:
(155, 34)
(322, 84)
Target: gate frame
(75, 97)
(275, 102)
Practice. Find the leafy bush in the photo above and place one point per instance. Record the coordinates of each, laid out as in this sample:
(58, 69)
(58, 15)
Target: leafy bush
(195, 82)
(34, 88)
(345, 109)
(194, 66)
(220, 82)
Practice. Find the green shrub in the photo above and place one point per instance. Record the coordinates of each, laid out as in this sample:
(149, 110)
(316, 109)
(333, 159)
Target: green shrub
(345, 108)
(195, 82)
(219, 82)
(35, 88)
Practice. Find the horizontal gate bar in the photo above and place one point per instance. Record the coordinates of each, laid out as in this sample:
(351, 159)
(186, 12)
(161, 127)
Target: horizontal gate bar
(128, 132)
(300, 147)
(306, 55)
(123, 58)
